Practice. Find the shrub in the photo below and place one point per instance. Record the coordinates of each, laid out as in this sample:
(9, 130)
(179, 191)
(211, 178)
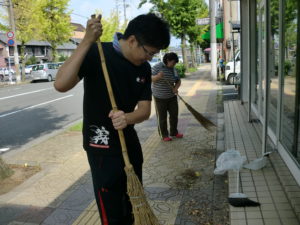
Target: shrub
(62, 58)
(31, 60)
(287, 67)
(180, 69)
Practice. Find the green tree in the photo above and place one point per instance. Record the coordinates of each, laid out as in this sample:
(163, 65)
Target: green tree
(31, 60)
(180, 14)
(56, 19)
(111, 25)
(195, 32)
(27, 19)
(4, 18)
(290, 14)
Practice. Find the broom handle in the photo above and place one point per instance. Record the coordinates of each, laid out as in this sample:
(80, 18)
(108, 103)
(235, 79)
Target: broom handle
(113, 103)
(238, 181)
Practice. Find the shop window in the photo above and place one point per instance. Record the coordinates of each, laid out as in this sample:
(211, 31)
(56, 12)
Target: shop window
(289, 73)
(274, 64)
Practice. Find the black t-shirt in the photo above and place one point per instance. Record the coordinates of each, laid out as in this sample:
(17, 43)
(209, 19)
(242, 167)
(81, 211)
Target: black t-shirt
(130, 84)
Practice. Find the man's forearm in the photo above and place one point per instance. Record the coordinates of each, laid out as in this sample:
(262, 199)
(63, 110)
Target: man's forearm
(67, 75)
(139, 114)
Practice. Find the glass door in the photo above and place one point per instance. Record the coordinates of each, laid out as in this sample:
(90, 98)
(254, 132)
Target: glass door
(290, 24)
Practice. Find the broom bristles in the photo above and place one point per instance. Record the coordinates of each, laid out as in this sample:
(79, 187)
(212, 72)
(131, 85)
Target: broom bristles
(206, 123)
(143, 214)
(242, 202)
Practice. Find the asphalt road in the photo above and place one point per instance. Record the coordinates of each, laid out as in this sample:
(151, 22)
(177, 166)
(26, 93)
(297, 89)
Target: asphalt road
(31, 111)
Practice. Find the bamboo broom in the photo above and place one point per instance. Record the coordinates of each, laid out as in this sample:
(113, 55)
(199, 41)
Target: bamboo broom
(143, 214)
(206, 123)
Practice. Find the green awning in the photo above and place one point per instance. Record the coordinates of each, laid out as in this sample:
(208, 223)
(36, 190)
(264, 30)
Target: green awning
(219, 33)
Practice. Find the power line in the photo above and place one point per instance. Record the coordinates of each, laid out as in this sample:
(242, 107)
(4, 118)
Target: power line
(80, 15)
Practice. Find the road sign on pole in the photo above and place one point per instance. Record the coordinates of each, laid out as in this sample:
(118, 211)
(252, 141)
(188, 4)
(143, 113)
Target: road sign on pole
(10, 34)
(11, 42)
(203, 21)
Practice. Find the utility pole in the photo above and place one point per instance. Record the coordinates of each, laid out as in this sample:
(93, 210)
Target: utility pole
(213, 40)
(13, 28)
(124, 8)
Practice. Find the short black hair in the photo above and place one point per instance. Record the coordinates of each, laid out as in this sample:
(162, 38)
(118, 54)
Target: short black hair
(149, 30)
(169, 57)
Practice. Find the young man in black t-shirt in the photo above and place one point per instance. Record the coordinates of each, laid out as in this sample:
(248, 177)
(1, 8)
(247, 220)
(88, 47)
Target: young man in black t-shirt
(130, 76)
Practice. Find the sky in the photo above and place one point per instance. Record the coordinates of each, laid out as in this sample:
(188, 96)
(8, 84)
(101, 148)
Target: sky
(82, 9)
(87, 7)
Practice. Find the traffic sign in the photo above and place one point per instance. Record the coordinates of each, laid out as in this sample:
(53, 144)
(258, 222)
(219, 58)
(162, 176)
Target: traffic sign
(10, 34)
(202, 21)
(11, 42)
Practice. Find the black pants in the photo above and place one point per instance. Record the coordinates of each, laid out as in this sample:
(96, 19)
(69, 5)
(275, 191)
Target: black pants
(109, 180)
(163, 107)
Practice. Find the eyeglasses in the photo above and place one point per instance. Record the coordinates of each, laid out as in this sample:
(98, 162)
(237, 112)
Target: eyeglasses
(150, 54)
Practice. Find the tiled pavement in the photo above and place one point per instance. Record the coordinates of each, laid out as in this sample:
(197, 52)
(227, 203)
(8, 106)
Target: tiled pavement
(178, 176)
(273, 186)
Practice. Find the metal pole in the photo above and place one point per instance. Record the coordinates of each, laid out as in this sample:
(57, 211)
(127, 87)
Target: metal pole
(267, 79)
(13, 27)
(213, 40)
(124, 5)
(233, 51)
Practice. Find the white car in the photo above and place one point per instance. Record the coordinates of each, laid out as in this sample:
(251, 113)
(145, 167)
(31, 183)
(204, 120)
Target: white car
(232, 69)
(44, 71)
(28, 69)
(5, 74)
(154, 61)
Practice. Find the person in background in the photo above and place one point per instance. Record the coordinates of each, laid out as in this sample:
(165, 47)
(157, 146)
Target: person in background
(221, 65)
(130, 76)
(165, 84)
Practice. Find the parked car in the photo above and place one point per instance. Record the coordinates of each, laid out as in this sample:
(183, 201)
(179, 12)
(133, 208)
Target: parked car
(5, 72)
(28, 69)
(1, 74)
(44, 71)
(60, 63)
(232, 70)
(154, 61)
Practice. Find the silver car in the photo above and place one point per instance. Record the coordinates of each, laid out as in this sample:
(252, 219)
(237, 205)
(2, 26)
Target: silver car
(44, 71)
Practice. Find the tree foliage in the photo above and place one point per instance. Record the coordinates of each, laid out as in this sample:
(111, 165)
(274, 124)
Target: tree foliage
(27, 21)
(181, 16)
(56, 23)
(111, 25)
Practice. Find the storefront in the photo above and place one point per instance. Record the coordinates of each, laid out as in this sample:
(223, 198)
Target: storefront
(270, 78)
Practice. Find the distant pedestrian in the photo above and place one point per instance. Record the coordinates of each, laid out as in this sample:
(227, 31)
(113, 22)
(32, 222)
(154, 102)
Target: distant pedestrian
(221, 65)
(165, 85)
(130, 75)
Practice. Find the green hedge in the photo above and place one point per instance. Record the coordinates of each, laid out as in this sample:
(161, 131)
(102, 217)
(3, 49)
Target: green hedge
(180, 69)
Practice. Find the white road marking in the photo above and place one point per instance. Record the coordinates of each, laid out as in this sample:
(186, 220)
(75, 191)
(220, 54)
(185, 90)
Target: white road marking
(34, 106)
(26, 93)
(4, 149)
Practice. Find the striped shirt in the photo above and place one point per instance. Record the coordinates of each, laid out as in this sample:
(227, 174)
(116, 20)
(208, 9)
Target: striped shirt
(161, 89)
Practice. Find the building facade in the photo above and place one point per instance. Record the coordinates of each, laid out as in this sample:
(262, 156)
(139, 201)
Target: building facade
(41, 50)
(270, 84)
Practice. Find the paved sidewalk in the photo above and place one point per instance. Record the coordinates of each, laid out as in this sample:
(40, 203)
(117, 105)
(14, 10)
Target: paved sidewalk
(178, 175)
(273, 186)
